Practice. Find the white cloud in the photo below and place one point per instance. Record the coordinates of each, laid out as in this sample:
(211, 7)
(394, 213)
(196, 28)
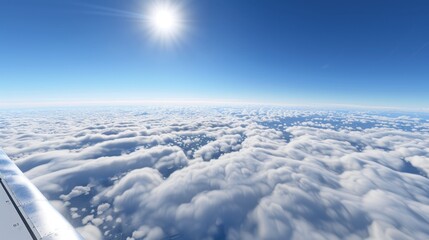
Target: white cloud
(76, 192)
(102, 208)
(90, 231)
(236, 173)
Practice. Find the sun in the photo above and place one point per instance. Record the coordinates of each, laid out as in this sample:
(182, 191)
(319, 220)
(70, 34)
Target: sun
(165, 20)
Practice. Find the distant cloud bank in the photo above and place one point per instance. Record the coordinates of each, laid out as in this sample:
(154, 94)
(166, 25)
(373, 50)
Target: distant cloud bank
(227, 172)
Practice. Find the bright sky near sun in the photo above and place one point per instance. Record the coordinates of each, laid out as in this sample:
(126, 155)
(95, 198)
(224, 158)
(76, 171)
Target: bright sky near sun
(164, 20)
(296, 52)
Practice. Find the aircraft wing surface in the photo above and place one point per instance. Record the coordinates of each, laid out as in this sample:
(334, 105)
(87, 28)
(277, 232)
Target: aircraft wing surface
(25, 214)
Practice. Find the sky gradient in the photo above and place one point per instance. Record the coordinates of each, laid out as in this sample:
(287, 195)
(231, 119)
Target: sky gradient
(296, 52)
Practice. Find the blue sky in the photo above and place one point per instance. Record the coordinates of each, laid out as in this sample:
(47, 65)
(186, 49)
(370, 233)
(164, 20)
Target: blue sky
(296, 52)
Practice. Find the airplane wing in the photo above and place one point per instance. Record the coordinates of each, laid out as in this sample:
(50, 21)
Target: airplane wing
(25, 214)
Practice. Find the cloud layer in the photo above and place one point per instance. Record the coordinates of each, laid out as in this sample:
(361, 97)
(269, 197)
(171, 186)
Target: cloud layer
(235, 173)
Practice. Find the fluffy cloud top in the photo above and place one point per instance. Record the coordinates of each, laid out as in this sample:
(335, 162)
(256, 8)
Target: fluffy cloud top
(234, 173)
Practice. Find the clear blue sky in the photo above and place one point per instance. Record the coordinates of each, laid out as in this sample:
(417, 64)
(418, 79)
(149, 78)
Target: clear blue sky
(361, 52)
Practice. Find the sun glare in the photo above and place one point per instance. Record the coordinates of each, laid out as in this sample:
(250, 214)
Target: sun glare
(165, 20)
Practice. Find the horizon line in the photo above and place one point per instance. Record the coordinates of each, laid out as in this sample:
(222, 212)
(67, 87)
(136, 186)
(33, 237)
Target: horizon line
(200, 102)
